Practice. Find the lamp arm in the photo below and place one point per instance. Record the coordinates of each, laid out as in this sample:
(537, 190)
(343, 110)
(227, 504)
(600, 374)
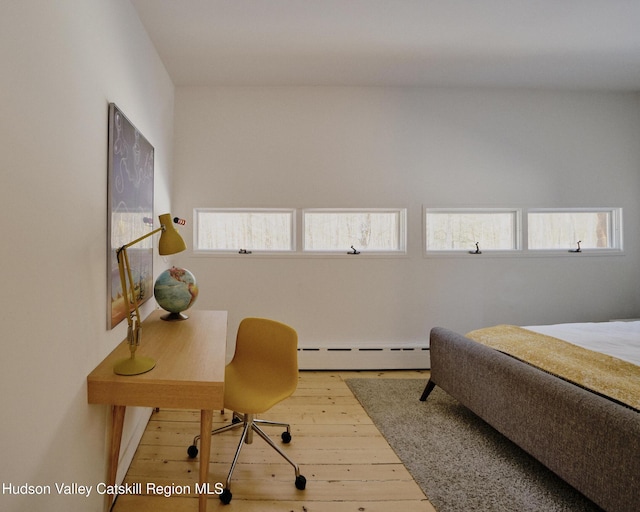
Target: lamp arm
(134, 329)
(146, 235)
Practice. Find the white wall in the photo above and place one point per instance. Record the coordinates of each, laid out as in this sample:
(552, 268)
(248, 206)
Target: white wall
(62, 62)
(375, 147)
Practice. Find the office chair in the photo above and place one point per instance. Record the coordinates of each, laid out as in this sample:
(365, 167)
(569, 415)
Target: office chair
(262, 373)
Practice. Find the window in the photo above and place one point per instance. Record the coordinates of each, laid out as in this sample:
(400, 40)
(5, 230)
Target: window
(570, 229)
(344, 230)
(460, 229)
(235, 230)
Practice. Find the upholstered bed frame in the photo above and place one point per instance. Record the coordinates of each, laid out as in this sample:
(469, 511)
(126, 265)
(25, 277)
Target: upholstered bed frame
(589, 441)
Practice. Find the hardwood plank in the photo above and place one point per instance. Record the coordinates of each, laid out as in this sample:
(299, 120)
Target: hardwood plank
(255, 454)
(228, 440)
(323, 430)
(183, 471)
(260, 487)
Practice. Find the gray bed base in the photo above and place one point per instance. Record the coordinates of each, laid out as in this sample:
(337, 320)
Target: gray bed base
(589, 441)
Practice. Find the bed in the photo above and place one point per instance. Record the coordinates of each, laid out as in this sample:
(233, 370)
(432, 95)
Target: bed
(583, 424)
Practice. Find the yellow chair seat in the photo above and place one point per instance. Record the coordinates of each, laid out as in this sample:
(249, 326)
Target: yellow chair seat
(246, 390)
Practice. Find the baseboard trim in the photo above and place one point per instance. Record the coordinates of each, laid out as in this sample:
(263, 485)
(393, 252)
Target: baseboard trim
(409, 356)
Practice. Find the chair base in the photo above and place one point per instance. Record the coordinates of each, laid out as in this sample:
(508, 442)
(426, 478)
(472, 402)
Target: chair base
(250, 424)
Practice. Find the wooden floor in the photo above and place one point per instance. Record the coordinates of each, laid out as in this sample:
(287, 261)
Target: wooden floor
(348, 465)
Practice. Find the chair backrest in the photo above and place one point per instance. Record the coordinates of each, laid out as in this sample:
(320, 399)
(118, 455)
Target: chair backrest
(269, 350)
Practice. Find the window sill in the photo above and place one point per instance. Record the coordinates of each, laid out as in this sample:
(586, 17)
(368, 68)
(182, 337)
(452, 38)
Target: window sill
(525, 254)
(300, 255)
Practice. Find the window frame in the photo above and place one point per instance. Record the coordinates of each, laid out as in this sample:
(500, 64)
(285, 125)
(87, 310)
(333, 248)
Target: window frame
(401, 233)
(615, 233)
(517, 235)
(247, 250)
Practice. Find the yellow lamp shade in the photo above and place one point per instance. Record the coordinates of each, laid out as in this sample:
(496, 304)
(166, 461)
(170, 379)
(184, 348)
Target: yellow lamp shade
(170, 240)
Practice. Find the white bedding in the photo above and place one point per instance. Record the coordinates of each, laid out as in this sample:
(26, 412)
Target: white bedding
(617, 339)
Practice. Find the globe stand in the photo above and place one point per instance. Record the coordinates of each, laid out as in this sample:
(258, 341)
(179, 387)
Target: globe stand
(174, 317)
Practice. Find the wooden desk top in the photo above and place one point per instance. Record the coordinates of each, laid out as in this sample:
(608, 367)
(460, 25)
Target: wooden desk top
(189, 372)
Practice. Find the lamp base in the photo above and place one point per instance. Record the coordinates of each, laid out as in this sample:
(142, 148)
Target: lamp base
(134, 366)
(172, 317)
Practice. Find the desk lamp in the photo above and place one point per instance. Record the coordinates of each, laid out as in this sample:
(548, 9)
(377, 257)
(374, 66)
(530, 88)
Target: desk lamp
(170, 243)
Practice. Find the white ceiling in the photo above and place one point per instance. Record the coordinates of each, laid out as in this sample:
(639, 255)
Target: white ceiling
(576, 44)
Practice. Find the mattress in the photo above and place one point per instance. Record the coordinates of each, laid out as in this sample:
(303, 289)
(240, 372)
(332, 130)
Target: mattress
(616, 339)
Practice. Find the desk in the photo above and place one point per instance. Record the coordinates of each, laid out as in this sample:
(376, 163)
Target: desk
(189, 374)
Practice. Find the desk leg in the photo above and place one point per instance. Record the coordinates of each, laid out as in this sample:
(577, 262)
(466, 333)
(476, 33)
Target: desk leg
(117, 421)
(206, 422)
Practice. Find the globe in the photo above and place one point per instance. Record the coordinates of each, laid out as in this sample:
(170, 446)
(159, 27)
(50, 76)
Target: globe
(175, 291)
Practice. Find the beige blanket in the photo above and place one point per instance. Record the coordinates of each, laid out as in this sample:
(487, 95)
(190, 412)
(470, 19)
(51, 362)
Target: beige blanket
(604, 374)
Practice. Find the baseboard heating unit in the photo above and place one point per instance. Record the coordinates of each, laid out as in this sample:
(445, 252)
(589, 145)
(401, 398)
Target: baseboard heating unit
(365, 357)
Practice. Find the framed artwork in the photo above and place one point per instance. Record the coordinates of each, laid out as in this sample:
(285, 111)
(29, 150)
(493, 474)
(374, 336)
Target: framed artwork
(130, 211)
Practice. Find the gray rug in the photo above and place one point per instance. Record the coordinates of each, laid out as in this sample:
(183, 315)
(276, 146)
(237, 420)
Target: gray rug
(461, 463)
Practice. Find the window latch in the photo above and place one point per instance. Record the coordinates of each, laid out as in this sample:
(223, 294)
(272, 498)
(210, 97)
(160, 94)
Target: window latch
(578, 249)
(477, 251)
(354, 250)
(244, 251)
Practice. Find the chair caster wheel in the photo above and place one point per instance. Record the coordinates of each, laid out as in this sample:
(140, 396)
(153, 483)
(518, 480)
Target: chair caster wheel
(192, 451)
(286, 437)
(226, 496)
(301, 482)
(235, 420)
